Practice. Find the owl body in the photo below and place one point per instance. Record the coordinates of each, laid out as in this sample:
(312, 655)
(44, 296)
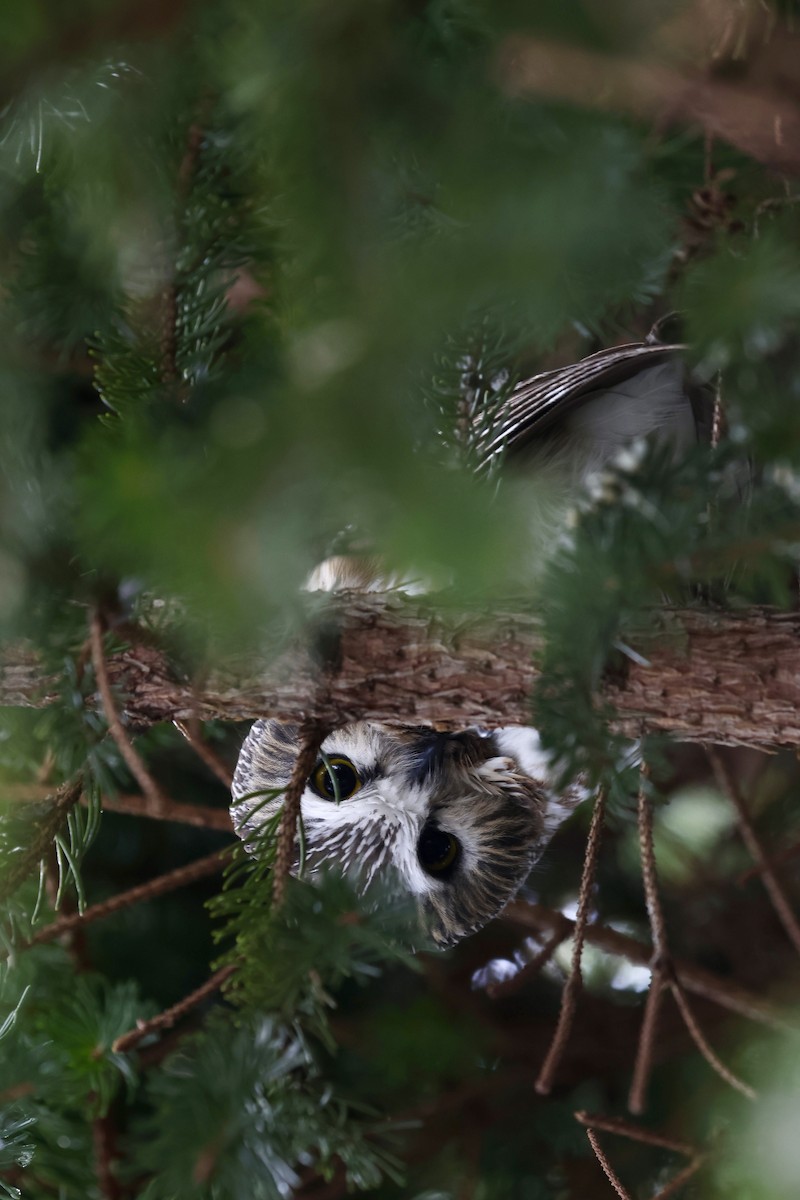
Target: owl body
(457, 820)
(460, 819)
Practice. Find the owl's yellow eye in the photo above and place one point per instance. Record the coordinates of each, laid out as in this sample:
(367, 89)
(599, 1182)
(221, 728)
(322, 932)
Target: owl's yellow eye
(335, 778)
(438, 851)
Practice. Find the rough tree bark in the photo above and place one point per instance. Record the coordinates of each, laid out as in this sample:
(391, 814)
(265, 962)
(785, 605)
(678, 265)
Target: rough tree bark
(728, 678)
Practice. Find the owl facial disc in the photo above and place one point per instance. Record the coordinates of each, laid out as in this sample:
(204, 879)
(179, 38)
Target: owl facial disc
(457, 820)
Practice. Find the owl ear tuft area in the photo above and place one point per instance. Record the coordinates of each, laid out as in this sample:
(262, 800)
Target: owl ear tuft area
(266, 761)
(523, 744)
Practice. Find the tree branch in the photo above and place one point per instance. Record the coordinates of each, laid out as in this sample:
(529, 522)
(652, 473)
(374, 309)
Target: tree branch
(722, 991)
(725, 678)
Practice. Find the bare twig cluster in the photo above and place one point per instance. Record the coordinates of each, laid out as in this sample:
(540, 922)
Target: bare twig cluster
(595, 1123)
(668, 975)
(572, 988)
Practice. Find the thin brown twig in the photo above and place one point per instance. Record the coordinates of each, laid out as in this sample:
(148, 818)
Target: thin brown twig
(203, 816)
(507, 987)
(655, 913)
(311, 740)
(623, 1128)
(572, 987)
(699, 1040)
(131, 756)
(716, 420)
(661, 966)
(159, 886)
(780, 902)
(104, 1140)
(680, 1179)
(708, 152)
(608, 1170)
(637, 1097)
(663, 969)
(204, 752)
(167, 1018)
(776, 859)
(696, 979)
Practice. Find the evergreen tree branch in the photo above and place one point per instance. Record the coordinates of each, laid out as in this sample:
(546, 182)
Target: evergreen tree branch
(75, 38)
(725, 678)
(170, 373)
(62, 800)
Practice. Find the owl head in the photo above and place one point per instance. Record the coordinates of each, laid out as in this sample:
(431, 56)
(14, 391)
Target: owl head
(457, 819)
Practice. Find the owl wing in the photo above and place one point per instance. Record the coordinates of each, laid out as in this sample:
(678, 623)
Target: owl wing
(543, 400)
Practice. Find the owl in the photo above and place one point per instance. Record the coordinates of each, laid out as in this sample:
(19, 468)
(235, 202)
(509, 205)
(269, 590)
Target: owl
(456, 820)
(459, 819)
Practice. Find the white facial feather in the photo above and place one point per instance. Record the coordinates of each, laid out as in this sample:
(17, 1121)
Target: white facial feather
(456, 819)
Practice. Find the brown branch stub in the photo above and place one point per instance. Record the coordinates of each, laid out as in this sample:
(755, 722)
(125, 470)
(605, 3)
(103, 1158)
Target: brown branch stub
(729, 787)
(572, 988)
(698, 1037)
(133, 760)
(204, 752)
(608, 1170)
(311, 738)
(167, 1018)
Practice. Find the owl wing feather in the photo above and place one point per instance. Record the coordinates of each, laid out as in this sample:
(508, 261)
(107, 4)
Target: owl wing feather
(541, 401)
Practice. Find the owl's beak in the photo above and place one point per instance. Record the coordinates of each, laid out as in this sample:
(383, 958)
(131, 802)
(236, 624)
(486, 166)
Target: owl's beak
(434, 751)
